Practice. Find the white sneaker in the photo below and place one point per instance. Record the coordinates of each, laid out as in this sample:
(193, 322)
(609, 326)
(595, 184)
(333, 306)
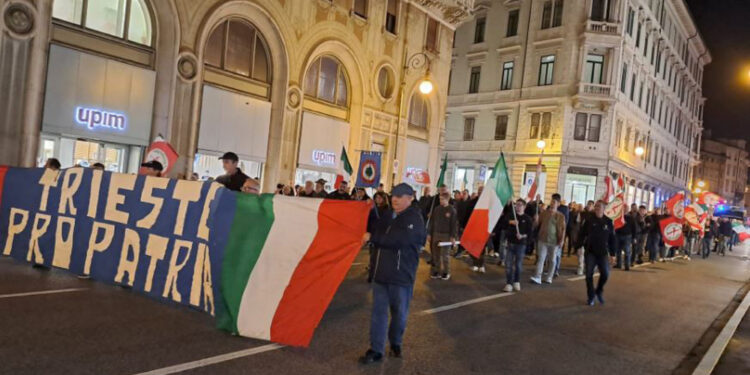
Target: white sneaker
(517, 287)
(536, 280)
(475, 268)
(508, 288)
(481, 269)
(548, 281)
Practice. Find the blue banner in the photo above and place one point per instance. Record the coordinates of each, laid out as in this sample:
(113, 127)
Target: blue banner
(369, 169)
(159, 236)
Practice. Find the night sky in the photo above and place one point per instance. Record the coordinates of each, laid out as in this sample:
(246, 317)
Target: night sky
(725, 27)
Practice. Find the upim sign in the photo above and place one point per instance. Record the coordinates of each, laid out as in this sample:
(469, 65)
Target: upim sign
(324, 158)
(92, 118)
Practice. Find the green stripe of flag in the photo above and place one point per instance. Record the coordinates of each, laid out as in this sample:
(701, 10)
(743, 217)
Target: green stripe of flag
(503, 187)
(253, 219)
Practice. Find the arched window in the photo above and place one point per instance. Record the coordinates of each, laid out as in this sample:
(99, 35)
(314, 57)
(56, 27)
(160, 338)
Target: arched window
(418, 111)
(125, 19)
(326, 80)
(237, 47)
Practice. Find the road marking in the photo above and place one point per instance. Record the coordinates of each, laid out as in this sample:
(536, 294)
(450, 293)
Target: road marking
(464, 303)
(266, 348)
(41, 292)
(714, 353)
(213, 360)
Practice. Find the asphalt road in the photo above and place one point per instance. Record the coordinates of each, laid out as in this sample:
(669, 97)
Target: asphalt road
(654, 317)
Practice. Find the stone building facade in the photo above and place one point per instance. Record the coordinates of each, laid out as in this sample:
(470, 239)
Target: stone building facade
(596, 80)
(723, 169)
(283, 83)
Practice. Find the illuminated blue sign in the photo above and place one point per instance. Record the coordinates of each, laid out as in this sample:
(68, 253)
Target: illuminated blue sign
(98, 118)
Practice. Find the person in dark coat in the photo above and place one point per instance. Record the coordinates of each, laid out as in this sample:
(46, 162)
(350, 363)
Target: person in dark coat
(398, 237)
(654, 234)
(379, 210)
(233, 178)
(625, 241)
(342, 193)
(598, 237)
(320, 189)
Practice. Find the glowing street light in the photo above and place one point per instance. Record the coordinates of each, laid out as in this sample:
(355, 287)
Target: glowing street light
(541, 144)
(701, 184)
(639, 150)
(425, 87)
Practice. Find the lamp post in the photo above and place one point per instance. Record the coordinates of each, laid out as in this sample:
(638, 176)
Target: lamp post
(416, 61)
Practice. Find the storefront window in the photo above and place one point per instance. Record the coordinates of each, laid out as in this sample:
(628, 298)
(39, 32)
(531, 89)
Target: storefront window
(326, 80)
(238, 48)
(463, 179)
(126, 19)
(304, 175)
(630, 195)
(208, 167)
(579, 188)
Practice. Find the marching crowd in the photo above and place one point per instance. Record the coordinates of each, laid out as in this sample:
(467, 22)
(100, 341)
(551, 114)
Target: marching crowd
(400, 227)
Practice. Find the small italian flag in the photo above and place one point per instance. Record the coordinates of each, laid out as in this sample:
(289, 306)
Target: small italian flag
(283, 261)
(345, 169)
(496, 194)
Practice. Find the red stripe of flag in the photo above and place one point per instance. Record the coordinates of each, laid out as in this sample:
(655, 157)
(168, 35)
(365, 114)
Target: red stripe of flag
(320, 272)
(3, 171)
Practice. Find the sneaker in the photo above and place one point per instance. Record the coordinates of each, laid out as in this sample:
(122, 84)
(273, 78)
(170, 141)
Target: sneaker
(517, 287)
(475, 269)
(547, 281)
(557, 274)
(687, 258)
(446, 276)
(434, 275)
(508, 288)
(536, 280)
(84, 277)
(481, 269)
(370, 356)
(396, 351)
(579, 273)
(591, 302)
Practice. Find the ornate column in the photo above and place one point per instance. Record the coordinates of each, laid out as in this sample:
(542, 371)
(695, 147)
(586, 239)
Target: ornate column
(24, 31)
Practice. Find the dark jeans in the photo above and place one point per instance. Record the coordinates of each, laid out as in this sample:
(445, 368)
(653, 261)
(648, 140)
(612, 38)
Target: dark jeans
(624, 244)
(385, 298)
(706, 247)
(601, 262)
(653, 246)
(514, 263)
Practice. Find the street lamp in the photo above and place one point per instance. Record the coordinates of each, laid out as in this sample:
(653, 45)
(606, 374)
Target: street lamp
(541, 144)
(415, 61)
(701, 184)
(639, 150)
(425, 87)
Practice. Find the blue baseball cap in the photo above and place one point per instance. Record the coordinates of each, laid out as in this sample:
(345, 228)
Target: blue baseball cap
(401, 190)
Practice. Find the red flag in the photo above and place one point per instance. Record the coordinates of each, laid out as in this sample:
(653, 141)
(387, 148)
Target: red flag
(615, 210)
(708, 198)
(676, 206)
(692, 218)
(671, 231)
(162, 152)
(531, 195)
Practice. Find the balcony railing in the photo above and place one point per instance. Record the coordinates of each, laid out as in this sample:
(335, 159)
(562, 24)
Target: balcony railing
(603, 27)
(594, 89)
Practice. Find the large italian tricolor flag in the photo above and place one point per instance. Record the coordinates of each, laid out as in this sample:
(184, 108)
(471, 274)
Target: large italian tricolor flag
(283, 262)
(497, 192)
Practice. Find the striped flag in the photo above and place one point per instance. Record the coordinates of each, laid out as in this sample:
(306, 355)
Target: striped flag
(276, 286)
(495, 195)
(531, 195)
(345, 169)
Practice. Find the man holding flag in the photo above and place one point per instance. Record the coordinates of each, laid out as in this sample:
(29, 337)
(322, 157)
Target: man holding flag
(497, 192)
